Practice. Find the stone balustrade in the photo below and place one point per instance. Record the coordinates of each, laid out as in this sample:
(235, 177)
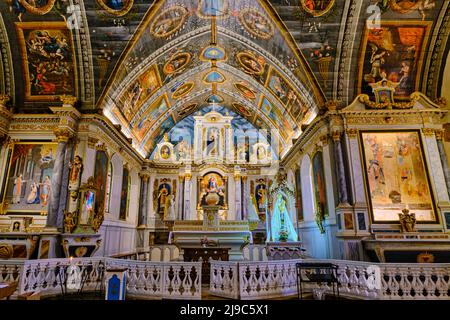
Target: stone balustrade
(274, 279)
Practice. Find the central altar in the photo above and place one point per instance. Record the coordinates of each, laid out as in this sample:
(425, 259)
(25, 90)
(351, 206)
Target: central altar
(211, 232)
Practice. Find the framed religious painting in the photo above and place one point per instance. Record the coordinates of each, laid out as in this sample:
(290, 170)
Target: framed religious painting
(212, 190)
(396, 176)
(394, 52)
(28, 187)
(48, 60)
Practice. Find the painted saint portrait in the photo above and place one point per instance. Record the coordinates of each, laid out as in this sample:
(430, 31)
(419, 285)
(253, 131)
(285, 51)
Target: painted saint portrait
(169, 22)
(186, 110)
(212, 145)
(395, 53)
(29, 183)
(124, 194)
(212, 183)
(165, 152)
(317, 8)
(183, 90)
(320, 195)
(245, 91)
(408, 6)
(164, 190)
(100, 176)
(251, 63)
(139, 91)
(280, 87)
(48, 60)
(256, 24)
(396, 175)
(176, 63)
(242, 110)
(41, 7)
(261, 195)
(116, 7)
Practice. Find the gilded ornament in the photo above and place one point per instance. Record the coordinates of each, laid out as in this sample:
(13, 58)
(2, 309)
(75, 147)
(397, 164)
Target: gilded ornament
(4, 99)
(63, 134)
(428, 132)
(68, 100)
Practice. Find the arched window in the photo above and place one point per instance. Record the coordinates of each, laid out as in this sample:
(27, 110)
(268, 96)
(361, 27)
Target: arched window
(124, 194)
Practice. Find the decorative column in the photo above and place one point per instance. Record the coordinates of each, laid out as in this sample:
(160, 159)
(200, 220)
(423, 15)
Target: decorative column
(180, 215)
(443, 156)
(339, 158)
(187, 195)
(5, 119)
(246, 198)
(143, 210)
(143, 235)
(237, 187)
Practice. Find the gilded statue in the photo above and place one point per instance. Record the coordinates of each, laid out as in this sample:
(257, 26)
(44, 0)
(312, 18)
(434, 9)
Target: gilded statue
(407, 221)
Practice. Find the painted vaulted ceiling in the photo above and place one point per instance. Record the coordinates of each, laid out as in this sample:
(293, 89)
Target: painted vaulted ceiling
(150, 64)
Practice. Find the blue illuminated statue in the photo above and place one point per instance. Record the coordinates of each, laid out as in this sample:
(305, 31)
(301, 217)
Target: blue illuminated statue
(282, 228)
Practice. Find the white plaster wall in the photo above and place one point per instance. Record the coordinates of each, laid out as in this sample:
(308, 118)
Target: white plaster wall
(114, 204)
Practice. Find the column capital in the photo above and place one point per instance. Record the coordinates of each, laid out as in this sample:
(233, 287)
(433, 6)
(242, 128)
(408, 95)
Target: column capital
(188, 176)
(352, 133)
(145, 175)
(324, 140)
(336, 135)
(68, 101)
(63, 134)
(428, 132)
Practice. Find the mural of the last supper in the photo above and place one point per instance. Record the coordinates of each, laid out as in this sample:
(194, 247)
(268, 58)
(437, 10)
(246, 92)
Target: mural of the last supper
(397, 176)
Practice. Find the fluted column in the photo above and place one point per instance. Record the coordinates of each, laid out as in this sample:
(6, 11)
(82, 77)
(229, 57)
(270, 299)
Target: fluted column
(143, 208)
(443, 156)
(187, 195)
(237, 187)
(62, 137)
(180, 215)
(246, 198)
(63, 197)
(339, 158)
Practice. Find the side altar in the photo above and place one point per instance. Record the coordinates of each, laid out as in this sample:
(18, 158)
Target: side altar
(212, 232)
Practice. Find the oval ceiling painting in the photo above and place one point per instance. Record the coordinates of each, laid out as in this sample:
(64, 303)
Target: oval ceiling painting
(317, 8)
(169, 22)
(177, 63)
(257, 25)
(183, 90)
(245, 91)
(214, 98)
(187, 110)
(116, 7)
(242, 110)
(250, 63)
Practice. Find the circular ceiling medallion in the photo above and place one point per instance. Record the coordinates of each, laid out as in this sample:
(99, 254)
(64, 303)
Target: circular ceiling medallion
(317, 8)
(116, 7)
(177, 63)
(245, 91)
(256, 24)
(38, 7)
(169, 22)
(183, 90)
(250, 63)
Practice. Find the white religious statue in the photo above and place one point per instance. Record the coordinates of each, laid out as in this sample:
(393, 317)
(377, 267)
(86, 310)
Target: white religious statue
(169, 210)
(212, 142)
(252, 214)
(282, 228)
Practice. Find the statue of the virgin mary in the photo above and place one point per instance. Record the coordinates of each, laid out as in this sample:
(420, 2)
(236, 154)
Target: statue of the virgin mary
(282, 228)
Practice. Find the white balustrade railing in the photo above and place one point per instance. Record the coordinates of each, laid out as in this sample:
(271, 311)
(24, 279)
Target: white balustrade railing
(224, 279)
(275, 279)
(10, 271)
(255, 252)
(153, 253)
(173, 280)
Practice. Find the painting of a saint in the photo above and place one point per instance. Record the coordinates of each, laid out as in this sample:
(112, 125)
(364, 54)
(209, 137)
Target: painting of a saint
(250, 63)
(177, 63)
(245, 91)
(48, 60)
(169, 21)
(75, 170)
(320, 196)
(183, 90)
(317, 8)
(100, 175)
(165, 152)
(393, 52)
(212, 183)
(124, 194)
(260, 195)
(164, 190)
(396, 175)
(28, 187)
(256, 24)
